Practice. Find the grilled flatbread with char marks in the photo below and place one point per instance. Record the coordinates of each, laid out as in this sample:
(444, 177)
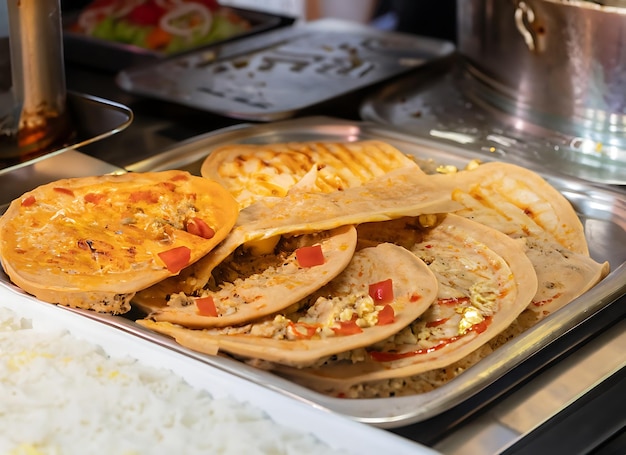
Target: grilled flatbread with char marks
(485, 281)
(340, 316)
(253, 287)
(93, 242)
(254, 171)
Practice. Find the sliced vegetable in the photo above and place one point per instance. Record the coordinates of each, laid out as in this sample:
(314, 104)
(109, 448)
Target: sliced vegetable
(310, 256)
(206, 306)
(28, 201)
(386, 316)
(382, 292)
(197, 226)
(347, 328)
(176, 258)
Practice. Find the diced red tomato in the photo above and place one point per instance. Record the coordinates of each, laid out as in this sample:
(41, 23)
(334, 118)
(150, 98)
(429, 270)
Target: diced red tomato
(197, 226)
(94, 198)
(310, 256)
(63, 191)
(302, 330)
(28, 201)
(206, 306)
(382, 292)
(347, 328)
(176, 258)
(386, 315)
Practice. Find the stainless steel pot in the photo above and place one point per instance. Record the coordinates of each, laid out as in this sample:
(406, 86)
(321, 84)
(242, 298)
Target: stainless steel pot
(560, 64)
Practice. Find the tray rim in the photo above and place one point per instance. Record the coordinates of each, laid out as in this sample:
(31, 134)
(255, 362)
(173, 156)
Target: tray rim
(503, 360)
(96, 103)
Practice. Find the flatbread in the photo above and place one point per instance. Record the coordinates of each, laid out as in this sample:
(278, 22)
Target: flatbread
(524, 198)
(402, 192)
(485, 282)
(275, 283)
(93, 242)
(520, 204)
(305, 334)
(254, 171)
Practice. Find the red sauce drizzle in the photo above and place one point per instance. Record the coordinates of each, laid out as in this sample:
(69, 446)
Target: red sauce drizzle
(379, 356)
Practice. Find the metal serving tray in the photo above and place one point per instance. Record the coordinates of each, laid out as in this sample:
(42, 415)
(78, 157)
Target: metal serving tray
(602, 210)
(112, 56)
(274, 75)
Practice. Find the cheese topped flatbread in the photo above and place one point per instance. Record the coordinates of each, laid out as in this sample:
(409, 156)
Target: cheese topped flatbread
(485, 281)
(383, 289)
(93, 242)
(254, 171)
(248, 287)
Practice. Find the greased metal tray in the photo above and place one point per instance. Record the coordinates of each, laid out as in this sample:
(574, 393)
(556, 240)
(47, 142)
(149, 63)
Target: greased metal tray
(274, 75)
(602, 211)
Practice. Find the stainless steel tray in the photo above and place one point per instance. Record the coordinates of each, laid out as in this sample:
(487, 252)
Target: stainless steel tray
(92, 119)
(111, 56)
(448, 105)
(274, 75)
(602, 210)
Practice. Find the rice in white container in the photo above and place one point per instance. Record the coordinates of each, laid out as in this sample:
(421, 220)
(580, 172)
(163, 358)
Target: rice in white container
(61, 395)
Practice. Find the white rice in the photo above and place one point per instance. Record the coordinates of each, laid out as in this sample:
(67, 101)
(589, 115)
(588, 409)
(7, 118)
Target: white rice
(61, 395)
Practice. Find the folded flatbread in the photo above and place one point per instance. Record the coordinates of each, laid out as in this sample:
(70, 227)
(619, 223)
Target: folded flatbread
(251, 287)
(402, 192)
(485, 282)
(341, 316)
(93, 242)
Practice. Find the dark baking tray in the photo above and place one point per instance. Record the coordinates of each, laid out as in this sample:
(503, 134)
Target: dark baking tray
(113, 57)
(275, 75)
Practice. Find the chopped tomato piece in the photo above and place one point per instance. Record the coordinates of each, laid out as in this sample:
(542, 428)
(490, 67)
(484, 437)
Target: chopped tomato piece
(302, 330)
(197, 226)
(310, 256)
(382, 292)
(67, 191)
(206, 306)
(386, 315)
(28, 201)
(347, 328)
(176, 258)
(146, 14)
(94, 198)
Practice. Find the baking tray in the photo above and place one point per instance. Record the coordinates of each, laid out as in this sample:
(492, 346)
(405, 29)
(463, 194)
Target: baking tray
(339, 433)
(92, 119)
(274, 75)
(602, 211)
(447, 104)
(113, 57)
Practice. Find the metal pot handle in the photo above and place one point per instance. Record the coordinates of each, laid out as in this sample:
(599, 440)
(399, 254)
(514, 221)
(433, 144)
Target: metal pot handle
(524, 21)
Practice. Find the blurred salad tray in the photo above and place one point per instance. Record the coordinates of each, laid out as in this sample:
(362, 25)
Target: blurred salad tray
(111, 42)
